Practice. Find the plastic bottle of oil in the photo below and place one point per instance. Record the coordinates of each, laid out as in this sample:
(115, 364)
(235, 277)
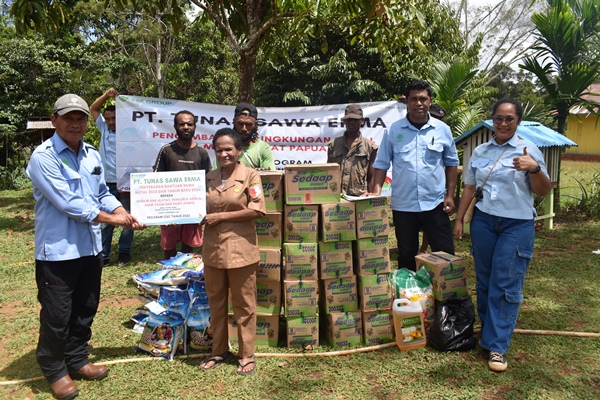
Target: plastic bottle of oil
(408, 323)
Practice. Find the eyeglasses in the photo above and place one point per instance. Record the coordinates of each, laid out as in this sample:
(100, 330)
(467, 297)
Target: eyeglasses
(498, 119)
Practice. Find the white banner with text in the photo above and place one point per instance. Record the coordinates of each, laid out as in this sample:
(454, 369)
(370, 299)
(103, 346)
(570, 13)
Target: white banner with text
(297, 135)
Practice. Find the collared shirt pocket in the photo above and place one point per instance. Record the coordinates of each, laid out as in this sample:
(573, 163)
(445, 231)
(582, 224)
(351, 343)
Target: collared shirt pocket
(433, 154)
(73, 178)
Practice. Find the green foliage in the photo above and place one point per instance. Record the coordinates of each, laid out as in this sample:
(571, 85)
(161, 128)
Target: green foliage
(13, 178)
(566, 56)
(461, 92)
(587, 203)
(349, 58)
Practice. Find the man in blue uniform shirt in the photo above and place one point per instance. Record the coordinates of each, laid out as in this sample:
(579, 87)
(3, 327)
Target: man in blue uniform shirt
(72, 200)
(424, 173)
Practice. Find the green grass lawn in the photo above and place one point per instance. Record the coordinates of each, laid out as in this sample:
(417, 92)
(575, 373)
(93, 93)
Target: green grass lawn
(562, 292)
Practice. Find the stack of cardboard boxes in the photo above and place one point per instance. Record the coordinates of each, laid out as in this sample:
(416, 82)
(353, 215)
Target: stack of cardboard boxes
(372, 263)
(268, 276)
(324, 258)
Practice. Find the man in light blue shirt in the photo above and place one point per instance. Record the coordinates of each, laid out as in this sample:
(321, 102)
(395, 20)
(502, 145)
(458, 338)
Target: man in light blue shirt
(106, 124)
(424, 174)
(71, 202)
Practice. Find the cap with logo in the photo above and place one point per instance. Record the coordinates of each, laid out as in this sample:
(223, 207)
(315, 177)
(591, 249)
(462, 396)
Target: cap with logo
(246, 109)
(70, 102)
(353, 111)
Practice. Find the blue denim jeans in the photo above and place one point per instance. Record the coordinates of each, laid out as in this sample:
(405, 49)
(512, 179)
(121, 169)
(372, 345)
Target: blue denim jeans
(502, 249)
(126, 238)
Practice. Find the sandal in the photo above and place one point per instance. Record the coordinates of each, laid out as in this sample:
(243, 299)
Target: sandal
(216, 360)
(244, 365)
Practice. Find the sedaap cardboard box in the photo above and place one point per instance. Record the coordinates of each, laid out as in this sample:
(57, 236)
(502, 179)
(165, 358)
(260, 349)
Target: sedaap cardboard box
(447, 273)
(268, 230)
(312, 183)
(269, 266)
(268, 298)
(301, 298)
(339, 295)
(338, 222)
(375, 292)
(272, 182)
(301, 224)
(372, 217)
(302, 331)
(300, 261)
(378, 327)
(335, 260)
(267, 330)
(372, 256)
(344, 329)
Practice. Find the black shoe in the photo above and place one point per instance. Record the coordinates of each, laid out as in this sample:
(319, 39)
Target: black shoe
(497, 361)
(124, 259)
(105, 262)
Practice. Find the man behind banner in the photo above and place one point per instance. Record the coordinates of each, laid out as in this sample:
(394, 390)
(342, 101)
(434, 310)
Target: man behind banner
(71, 201)
(255, 153)
(183, 154)
(419, 147)
(354, 154)
(106, 123)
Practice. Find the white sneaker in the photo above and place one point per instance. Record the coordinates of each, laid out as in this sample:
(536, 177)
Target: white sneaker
(497, 361)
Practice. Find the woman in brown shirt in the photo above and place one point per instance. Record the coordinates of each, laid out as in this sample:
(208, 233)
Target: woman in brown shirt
(234, 199)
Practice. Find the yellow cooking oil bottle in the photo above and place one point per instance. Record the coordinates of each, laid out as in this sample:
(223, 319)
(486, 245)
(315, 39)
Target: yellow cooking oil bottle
(408, 323)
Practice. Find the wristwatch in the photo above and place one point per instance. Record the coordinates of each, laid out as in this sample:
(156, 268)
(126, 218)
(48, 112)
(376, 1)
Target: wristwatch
(536, 170)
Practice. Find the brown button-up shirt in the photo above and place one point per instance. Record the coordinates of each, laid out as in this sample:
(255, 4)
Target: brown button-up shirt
(232, 244)
(354, 163)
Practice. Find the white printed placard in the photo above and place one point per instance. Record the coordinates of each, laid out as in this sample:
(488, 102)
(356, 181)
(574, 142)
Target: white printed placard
(162, 198)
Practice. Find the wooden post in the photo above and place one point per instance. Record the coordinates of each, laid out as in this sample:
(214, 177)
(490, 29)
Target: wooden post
(549, 209)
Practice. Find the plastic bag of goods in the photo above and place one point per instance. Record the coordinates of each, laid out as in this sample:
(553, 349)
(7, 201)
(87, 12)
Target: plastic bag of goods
(452, 325)
(199, 332)
(408, 284)
(162, 334)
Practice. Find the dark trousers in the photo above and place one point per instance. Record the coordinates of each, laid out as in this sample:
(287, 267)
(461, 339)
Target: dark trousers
(69, 292)
(436, 226)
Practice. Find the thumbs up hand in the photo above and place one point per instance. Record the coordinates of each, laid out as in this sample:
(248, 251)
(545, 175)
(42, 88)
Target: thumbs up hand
(525, 162)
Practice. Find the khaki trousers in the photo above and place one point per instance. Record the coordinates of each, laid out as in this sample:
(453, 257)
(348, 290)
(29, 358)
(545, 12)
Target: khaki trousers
(242, 283)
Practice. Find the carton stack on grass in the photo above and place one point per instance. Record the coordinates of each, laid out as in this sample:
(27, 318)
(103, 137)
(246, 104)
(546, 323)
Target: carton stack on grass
(268, 276)
(372, 266)
(340, 316)
(447, 273)
(306, 186)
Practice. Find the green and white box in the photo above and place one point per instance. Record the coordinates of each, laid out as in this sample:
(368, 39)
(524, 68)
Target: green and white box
(372, 256)
(339, 295)
(338, 222)
(335, 260)
(300, 261)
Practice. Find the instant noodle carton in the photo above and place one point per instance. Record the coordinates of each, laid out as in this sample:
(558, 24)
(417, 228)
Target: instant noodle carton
(344, 329)
(372, 217)
(301, 298)
(272, 182)
(300, 261)
(268, 231)
(447, 273)
(378, 327)
(312, 183)
(339, 295)
(335, 260)
(267, 330)
(375, 292)
(301, 224)
(338, 222)
(268, 298)
(372, 256)
(269, 266)
(302, 331)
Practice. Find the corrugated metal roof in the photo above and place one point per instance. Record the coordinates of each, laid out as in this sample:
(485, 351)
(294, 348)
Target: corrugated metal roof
(535, 132)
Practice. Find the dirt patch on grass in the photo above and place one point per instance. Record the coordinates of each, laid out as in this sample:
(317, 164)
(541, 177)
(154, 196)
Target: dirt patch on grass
(9, 311)
(500, 391)
(129, 303)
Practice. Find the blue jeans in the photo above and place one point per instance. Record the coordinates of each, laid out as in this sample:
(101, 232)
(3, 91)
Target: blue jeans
(126, 238)
(502, 249)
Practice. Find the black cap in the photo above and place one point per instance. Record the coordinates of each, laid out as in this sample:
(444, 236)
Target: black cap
(437, 111)
(246, 109)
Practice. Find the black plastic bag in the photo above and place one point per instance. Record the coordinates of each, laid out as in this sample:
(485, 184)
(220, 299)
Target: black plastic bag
(452, 325)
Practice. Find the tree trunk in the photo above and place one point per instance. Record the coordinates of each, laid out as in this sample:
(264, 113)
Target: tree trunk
(159, 76)
(248, 57)
(562, 127)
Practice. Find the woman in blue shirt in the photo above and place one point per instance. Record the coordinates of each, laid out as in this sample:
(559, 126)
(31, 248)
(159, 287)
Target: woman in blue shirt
(503, 174)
